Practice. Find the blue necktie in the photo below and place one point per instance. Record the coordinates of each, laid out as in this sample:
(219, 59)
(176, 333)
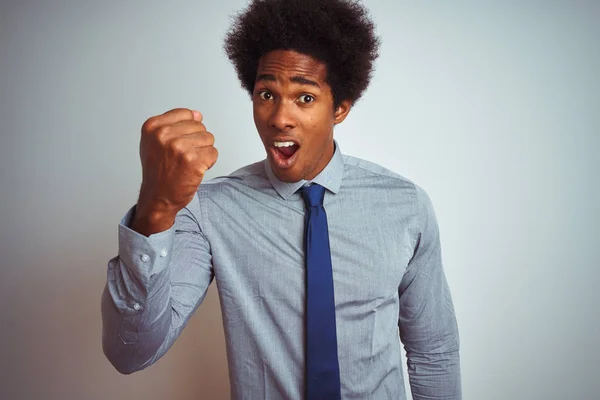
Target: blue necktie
(322, 368)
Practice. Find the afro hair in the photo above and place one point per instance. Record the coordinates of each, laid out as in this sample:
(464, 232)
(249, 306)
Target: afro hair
(338, 33)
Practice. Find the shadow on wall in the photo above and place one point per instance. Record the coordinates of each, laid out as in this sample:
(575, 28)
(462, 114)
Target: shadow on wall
(53, 340)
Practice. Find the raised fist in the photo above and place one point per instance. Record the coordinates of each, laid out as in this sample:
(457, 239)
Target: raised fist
(176, 151)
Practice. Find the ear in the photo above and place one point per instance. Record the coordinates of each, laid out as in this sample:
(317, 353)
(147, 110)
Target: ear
(341, 112)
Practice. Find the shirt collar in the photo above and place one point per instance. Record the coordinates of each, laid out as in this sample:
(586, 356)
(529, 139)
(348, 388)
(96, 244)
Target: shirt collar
(330, 177)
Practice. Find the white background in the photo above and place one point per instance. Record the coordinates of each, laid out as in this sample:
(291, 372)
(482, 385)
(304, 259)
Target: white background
(492, 107)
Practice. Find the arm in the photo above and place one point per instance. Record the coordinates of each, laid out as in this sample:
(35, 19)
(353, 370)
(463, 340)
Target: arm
(147, 301)
(427, 323)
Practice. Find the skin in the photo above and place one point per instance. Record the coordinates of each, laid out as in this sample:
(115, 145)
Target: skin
(176, 151)
(293, 102)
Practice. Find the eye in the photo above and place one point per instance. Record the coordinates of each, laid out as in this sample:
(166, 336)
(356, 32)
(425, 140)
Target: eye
(265, 95)
(306, 98)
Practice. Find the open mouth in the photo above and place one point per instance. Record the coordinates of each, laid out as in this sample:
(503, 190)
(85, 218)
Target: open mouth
(284, 153)
(286, 149)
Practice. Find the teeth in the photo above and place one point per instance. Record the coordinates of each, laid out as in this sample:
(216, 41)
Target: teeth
(284, 144)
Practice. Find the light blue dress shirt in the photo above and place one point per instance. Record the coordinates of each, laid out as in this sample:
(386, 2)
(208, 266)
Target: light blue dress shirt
(246, 231)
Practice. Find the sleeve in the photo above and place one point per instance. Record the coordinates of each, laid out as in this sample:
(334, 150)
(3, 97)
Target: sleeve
(427, 322)
(153, 287)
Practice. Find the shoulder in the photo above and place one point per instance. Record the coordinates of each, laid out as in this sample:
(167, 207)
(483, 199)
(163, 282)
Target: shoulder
(358, 169)
(363, 172)
(364, 169)
(224, 192)
(249, 176)
(243, 187)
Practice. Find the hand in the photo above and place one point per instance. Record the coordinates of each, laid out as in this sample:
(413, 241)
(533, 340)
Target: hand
(176, 151)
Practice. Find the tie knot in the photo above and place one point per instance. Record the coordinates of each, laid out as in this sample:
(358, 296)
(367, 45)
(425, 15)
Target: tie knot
(313, 195)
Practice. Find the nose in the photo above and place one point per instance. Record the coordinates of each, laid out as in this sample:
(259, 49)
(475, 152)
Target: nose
(282, 116)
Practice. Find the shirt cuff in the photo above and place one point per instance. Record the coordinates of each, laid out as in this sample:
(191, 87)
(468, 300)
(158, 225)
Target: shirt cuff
(147, 255)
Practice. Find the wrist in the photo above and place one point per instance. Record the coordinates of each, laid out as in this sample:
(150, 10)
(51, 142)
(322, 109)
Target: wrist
(149, 219)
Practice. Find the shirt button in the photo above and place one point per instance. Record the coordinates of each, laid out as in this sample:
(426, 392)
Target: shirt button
(136, 306)
(145, 257)
(163, 253)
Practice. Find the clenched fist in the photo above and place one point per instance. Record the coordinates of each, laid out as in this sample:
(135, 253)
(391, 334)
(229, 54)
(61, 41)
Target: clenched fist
(176, 151)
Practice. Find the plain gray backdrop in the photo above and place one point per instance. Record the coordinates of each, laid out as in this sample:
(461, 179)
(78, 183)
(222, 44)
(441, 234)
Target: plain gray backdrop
(492, 107)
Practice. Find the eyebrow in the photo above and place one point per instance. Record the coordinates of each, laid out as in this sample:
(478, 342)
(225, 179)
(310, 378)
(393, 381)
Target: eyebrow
(296, 79)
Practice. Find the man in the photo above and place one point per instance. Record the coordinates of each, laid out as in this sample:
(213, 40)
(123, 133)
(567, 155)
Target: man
(323, 261)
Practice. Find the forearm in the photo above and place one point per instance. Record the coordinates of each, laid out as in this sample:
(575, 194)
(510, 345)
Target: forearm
(136, 318)
(153, 286)
(435, 376)
(431, 340)
(136, 302)
(432, 347)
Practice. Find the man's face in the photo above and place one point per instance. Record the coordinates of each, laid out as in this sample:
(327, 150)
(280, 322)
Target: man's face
(294, 115)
